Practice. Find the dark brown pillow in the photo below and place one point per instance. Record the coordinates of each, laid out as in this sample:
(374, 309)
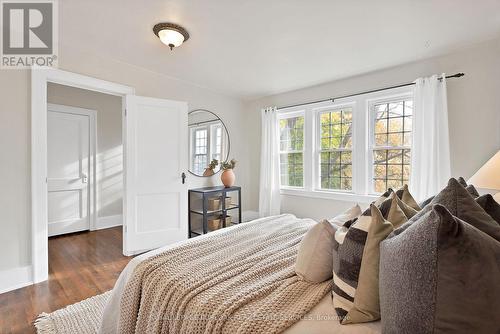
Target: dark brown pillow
(488, 203)
(472, 191)
(461, 204)
(461, 180)
(440, 276)
(470, 188)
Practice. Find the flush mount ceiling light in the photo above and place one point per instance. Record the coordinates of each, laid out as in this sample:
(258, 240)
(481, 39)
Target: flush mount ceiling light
(171, 34)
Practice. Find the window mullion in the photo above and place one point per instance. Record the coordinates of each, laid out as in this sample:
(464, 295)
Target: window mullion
(308, 155)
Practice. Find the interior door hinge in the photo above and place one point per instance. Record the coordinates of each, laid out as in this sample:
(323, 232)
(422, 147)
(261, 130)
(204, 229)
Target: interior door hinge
(125, 112)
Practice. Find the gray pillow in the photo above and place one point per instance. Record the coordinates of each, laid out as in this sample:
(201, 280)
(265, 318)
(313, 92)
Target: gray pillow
(460, 203)
(440, 276)
(470, 188)
(488, 203)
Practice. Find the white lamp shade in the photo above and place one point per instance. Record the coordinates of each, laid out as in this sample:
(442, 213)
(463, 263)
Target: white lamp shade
(488, 176)
(171, 37)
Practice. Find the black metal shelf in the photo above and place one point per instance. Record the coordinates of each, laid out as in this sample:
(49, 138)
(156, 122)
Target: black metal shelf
(214, 211)
(206, 193)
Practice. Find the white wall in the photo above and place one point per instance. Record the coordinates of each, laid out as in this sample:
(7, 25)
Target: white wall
(473, 102)
(109, 142)
(15, 202)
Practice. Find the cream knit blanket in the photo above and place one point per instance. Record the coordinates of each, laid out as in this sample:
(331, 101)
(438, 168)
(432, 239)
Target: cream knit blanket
(242, 281)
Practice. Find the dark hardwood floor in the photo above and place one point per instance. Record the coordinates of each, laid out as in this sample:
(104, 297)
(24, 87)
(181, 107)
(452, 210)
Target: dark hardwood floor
(81, 265)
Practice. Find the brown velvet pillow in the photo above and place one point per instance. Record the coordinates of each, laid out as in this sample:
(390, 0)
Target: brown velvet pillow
(460, 203)
(488, 203)
(440, 276)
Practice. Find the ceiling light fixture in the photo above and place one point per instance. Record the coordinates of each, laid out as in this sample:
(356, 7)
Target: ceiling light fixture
(171, 34)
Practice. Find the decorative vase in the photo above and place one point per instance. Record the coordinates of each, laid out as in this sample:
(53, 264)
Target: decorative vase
(228, 178)
(208, 172)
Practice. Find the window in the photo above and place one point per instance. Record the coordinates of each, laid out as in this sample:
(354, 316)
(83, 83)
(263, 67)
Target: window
(335, 149)
(217, 142)
(200, 161)
(291, 131)
(352, 148)
(391, 143)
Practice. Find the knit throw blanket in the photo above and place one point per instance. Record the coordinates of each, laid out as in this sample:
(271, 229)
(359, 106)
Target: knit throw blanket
(238, 281)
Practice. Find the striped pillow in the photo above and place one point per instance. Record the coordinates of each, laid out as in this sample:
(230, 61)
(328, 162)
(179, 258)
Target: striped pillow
(352, 244)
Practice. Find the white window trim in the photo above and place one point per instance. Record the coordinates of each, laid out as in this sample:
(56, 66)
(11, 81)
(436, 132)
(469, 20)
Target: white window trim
(362, 143)
(291, 113)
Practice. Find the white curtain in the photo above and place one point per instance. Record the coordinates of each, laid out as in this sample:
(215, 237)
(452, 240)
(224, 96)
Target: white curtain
(269, 195)
(430, 155)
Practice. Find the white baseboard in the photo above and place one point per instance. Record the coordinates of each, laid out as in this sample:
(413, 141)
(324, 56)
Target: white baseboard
(15, 278)
(249, 216)
(108, 221)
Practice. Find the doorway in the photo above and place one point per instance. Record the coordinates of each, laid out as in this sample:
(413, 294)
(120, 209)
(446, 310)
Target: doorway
(71, 157)
(154, 162)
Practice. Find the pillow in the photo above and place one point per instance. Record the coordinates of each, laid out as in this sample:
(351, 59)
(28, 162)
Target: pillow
(424, 203)
(488, 203)
(314, 258)
(462, 182)
(472, 191)
(404, 195)
(382, 197)
(408, 210)
(351, 213)
(356, 260)
(395, 213)
(440, 276)
(460, 203)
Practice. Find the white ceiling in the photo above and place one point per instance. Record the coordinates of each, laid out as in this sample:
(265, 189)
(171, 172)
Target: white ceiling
(253, 48)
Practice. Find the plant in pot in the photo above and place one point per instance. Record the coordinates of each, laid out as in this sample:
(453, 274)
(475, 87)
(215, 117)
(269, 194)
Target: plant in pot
(209, 171)
(228, 176)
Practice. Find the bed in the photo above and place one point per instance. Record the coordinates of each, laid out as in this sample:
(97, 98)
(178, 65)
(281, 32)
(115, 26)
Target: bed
(243, 282)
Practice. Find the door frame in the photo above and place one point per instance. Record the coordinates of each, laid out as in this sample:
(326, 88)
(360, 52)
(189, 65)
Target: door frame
(40, 77)
(92, 206)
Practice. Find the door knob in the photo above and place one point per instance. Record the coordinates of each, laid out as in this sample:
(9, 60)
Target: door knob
(183, 176)
(85, 178)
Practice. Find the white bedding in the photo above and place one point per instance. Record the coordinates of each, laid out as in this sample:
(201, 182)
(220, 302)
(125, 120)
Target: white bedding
(321, 319)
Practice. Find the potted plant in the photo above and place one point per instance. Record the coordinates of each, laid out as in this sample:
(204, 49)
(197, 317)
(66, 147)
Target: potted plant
(228, 176)
(209, 171)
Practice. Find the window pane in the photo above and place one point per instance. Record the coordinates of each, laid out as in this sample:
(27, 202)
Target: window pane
(393, 129)
(395, 109)
(391, 169)
(292, 134)
(336, 170)
(292, 169)
(336, 129)
(381, 125)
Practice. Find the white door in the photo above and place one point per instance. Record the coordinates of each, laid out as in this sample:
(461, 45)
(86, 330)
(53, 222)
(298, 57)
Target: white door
(156, 156)
(68, 163)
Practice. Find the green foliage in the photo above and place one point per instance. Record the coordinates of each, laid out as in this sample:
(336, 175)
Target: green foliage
(213, 164)
(229, 165)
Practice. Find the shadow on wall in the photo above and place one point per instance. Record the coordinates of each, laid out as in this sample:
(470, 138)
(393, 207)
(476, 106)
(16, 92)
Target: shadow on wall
(110, 182)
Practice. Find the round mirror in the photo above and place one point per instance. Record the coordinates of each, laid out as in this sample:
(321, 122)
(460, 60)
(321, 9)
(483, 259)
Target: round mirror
(208, 142)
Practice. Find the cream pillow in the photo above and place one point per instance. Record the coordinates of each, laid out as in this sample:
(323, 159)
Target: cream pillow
(315, 258)
(350, 214)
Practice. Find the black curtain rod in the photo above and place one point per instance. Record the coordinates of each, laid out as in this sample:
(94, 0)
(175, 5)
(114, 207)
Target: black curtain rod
(458, 75)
